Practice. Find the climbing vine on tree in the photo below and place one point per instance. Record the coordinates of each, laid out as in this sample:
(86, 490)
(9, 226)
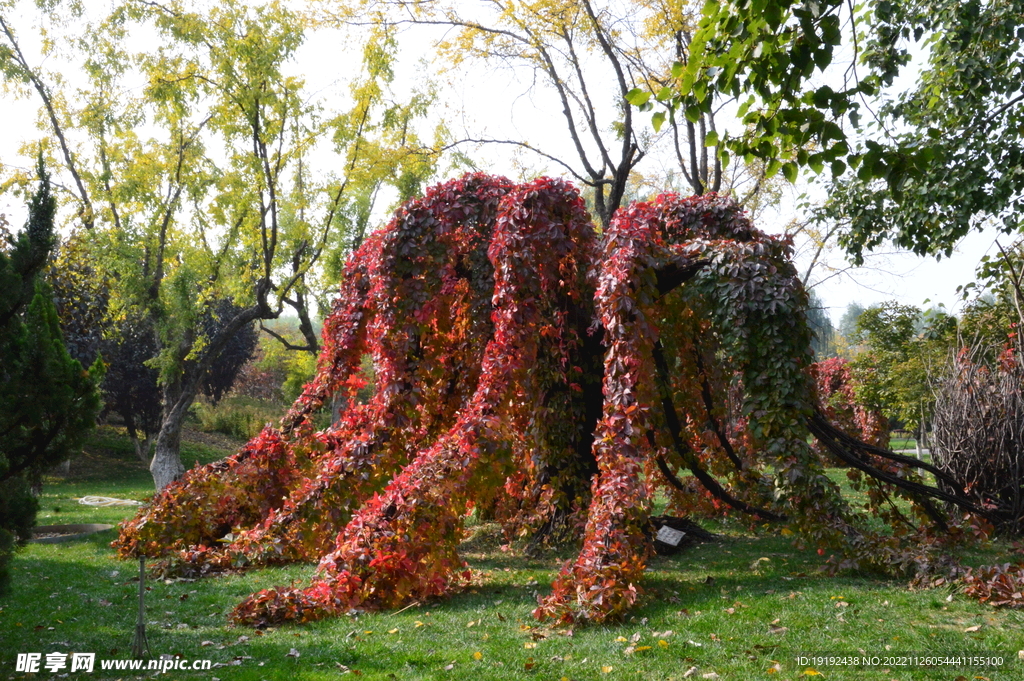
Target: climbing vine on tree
(554, 379)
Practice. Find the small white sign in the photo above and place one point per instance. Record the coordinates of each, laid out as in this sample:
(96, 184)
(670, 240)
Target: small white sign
(666, 535)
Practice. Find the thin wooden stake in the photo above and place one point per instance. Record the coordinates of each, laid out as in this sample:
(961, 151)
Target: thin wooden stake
(140, 646)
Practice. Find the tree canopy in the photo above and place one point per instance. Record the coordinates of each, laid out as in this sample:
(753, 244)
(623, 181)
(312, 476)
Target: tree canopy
(919, 168)
(202, 185)
(493, 311)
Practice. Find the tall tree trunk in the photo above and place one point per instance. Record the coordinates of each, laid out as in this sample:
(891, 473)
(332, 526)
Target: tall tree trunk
(166, 465)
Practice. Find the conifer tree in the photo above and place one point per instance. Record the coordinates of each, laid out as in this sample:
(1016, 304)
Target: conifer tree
(47, 400)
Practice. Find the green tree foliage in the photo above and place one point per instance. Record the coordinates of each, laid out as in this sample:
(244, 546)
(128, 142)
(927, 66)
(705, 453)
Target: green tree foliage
(904, 351)
(932, 164)
(848, 323)
(200, 186)
(823, 340)
(47, 400)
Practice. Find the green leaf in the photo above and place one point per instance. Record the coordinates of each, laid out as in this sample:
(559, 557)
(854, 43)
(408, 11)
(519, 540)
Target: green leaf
(791, 171)
(658, 120)
(637, 97)
(711, 140)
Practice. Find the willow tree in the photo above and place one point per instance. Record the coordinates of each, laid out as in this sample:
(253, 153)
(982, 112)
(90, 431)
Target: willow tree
(515, 352)
(201, 185)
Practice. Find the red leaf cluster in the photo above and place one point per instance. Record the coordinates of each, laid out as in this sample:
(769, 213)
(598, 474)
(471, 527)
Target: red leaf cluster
(524, 368)
(999, 585)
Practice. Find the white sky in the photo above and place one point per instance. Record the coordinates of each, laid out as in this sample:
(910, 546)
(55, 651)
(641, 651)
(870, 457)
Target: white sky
(501, 104)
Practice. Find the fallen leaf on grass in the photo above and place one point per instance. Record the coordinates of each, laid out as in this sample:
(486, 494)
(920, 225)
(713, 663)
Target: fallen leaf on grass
(529, 645)
(690, 672)
(607, 669)
(971, 630)
(293, 653)
(811, 671)
(775, 629)
(417, 624)
(528, 665)
(775, 668)
(478, 655)
(392, 631)
(663, 643)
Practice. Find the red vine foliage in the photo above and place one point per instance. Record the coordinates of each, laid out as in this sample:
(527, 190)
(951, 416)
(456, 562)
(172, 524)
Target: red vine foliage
(839, 404)
(553, 380)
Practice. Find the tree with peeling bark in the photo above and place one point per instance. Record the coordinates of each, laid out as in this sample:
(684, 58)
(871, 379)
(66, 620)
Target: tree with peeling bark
(517, 353)
(220, 202)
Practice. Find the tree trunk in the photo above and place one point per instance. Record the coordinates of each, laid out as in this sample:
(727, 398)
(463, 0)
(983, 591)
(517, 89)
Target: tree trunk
(142, 447)
(178, 396)
(166, 466)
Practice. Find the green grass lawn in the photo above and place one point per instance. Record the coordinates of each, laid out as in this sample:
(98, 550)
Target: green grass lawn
(741, 608)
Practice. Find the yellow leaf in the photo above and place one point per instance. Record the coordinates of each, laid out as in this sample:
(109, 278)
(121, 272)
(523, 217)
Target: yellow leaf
(606, 669)
(621, 639)
(418, 624)
(663, 643)
(639, 648)
(529, 645)
(392, 631)
(811, 671)
(478, 655)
